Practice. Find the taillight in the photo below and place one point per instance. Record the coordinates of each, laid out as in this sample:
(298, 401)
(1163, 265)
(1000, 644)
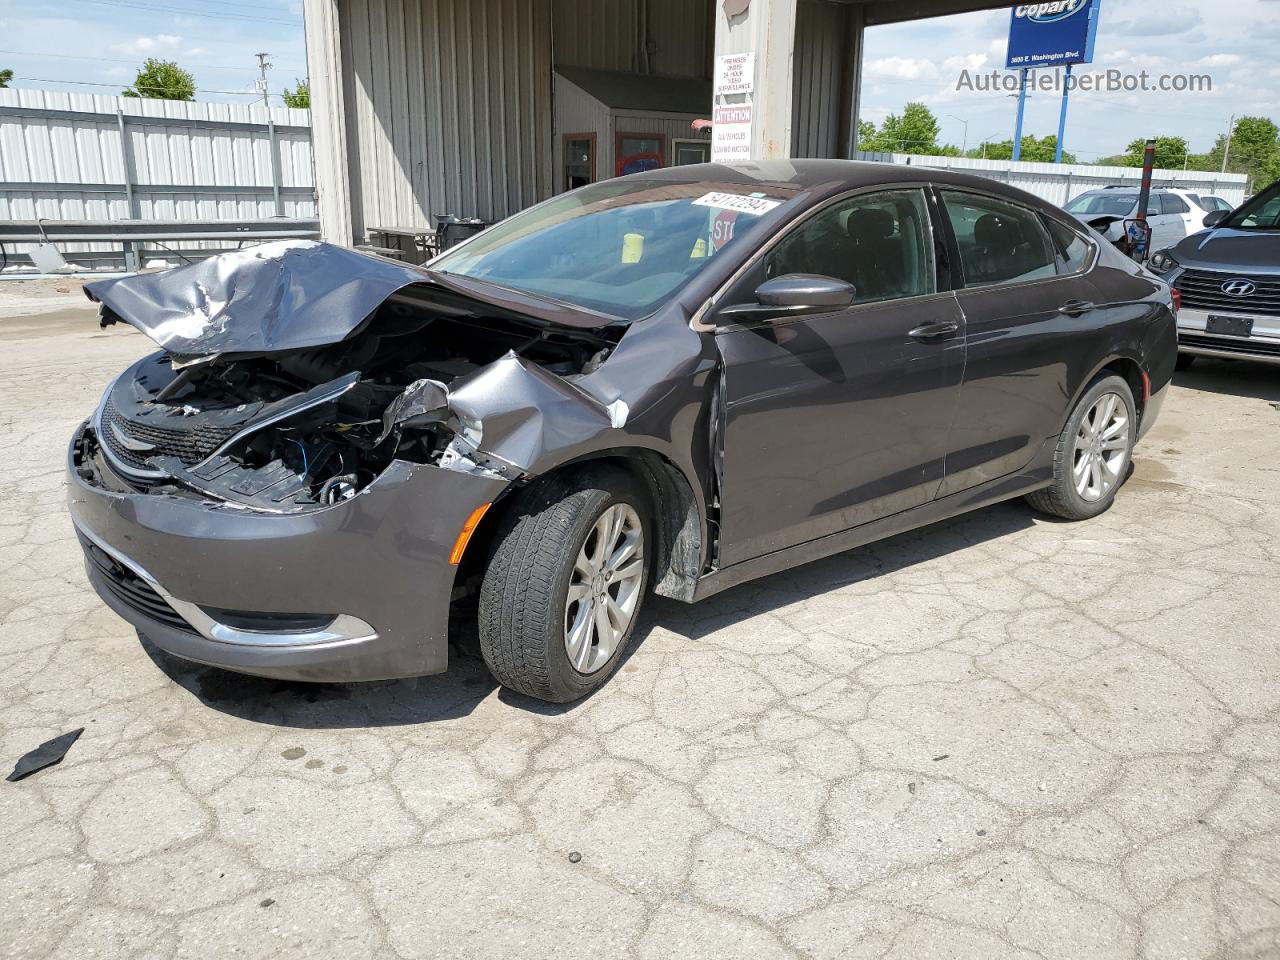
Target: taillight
(1177, 299)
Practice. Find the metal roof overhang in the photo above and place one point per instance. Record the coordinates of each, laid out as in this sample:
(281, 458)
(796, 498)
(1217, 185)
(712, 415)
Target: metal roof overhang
(879, 12)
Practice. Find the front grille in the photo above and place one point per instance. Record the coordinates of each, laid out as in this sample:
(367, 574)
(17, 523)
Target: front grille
(130, 588)
(190, 445)
(1203, 290)
(1246, 348)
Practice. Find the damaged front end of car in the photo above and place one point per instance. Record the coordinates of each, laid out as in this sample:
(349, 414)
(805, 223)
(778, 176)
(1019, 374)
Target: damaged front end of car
(292, 375)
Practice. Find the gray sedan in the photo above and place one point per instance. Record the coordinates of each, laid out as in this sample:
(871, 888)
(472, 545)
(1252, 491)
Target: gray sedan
(673, 382)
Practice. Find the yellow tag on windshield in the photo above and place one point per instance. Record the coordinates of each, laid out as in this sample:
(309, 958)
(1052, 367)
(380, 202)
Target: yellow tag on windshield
(632, 247)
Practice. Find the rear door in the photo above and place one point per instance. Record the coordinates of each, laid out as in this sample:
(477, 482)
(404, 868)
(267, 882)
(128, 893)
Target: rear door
(1178, 217)
(834, 419)
(1023, 304)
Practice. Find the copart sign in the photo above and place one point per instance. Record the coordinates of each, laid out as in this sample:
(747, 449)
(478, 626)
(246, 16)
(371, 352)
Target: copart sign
(1052, 34)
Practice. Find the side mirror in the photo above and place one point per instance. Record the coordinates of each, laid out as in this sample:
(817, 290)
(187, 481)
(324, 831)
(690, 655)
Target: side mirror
(1215, 217)
(793, 294)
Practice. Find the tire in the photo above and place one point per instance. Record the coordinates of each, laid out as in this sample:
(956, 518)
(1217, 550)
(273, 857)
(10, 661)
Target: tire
(1066, 497)
(542, 549)
(1184, 360)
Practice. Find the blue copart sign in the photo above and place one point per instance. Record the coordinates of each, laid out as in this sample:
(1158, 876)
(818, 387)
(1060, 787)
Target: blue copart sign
(1052, 34)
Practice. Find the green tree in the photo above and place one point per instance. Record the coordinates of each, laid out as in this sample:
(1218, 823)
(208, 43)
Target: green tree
(163, 80)
(1034, 150)
(5, 76)
(299, 97)
(915, 131)
(1255, 151)
(1171, 153)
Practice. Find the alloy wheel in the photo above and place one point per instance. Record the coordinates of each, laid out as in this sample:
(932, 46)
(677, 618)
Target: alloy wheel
(604, 588)
(1102, 448)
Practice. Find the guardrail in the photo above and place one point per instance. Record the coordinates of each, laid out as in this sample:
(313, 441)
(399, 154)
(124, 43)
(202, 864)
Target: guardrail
(133, 236)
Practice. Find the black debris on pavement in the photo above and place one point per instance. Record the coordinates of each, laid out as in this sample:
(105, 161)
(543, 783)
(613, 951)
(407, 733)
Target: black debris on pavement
(46, 755)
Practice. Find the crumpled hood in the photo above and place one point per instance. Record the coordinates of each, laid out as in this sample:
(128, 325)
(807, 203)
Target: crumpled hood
(1248, 251)
(283, 295)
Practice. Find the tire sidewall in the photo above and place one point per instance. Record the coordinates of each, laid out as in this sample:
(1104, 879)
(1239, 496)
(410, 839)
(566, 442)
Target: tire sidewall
(1109, 384)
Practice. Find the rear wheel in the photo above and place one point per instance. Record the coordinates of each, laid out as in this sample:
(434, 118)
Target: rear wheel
(565, 581)
(1093, 454)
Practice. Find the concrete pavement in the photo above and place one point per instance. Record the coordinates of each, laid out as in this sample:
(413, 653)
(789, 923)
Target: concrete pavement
(998, 737)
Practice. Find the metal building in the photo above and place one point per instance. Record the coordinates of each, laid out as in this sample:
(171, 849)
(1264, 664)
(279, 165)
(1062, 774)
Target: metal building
(479, 108)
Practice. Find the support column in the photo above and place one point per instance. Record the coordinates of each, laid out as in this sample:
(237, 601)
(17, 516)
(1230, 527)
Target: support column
(328, 120)
(851, 82)
(766, 28)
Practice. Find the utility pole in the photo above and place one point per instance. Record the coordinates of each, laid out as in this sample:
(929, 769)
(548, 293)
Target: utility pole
(1226, 151)
(263, 66)
(965, 144)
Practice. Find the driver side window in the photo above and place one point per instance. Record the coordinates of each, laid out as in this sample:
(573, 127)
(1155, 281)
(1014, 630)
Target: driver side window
(878, 242)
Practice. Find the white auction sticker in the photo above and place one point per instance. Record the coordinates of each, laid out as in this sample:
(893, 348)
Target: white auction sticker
(756, 206)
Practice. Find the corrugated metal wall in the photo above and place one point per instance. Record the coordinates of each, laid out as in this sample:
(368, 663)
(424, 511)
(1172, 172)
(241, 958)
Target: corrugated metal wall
(448, 108)
(81, 146)
(1060, 182)
(671, 37)
(821, 51)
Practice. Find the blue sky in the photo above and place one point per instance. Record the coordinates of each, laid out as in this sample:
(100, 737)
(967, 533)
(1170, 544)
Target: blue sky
(1234, 41)
(105, 41)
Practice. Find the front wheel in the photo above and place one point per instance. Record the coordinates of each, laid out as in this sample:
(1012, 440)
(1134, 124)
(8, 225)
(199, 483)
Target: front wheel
(1093, 454)
(565, 581)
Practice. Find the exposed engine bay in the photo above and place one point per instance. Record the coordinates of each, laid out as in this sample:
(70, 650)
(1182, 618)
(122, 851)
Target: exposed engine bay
(287, 430)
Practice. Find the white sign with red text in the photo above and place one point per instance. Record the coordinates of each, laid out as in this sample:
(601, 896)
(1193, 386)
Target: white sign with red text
(731, 133)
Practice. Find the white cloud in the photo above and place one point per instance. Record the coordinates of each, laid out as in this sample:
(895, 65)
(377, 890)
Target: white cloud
(970, 61)
(902, 68)
(161, 41)
(1220, 60)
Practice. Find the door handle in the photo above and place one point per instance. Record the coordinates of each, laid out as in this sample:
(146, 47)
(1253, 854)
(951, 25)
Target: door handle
(1075, 308)
(934, 330)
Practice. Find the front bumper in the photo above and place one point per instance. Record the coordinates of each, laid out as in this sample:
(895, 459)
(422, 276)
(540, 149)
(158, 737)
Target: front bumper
(1263, 345)
(374, 570)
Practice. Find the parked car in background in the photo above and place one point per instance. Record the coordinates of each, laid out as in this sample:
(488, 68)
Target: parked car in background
(1172, 213)
(1228, 280)
(682, 379)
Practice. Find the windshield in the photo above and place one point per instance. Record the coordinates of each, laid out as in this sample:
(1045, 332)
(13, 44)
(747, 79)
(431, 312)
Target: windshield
(1105, 203)
(622, 247)
(1260, 213)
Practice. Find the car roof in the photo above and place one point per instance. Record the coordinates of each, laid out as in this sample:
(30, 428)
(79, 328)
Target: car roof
(826, 177)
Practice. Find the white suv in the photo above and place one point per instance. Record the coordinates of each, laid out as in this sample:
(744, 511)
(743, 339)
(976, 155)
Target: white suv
(1172, 213)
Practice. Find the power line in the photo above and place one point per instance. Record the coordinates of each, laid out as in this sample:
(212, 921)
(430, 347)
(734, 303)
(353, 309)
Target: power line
(190, 13)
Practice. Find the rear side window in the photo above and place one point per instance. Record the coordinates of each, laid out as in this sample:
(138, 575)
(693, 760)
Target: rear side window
(1072, 249)
(999, 242)
(1172, 203)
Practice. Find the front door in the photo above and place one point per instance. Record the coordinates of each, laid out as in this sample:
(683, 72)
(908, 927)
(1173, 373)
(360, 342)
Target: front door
(835, 419)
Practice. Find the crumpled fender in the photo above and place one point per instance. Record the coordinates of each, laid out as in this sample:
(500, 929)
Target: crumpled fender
(521, 414)
(283, 295)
